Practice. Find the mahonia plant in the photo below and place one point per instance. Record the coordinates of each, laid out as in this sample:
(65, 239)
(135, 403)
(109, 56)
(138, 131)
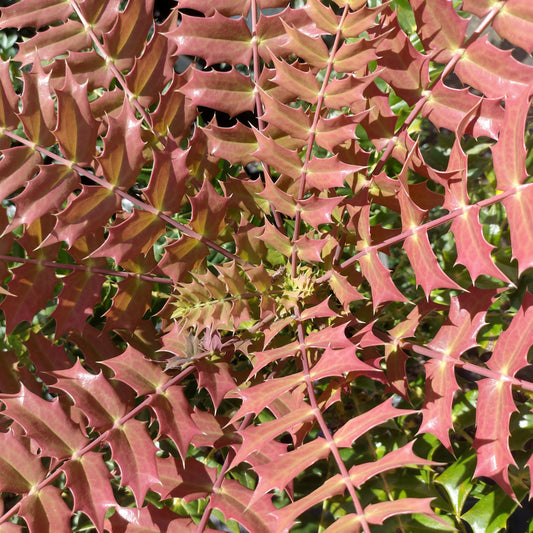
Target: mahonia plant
(266, 265)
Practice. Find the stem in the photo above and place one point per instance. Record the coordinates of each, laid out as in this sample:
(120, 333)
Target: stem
(94, 270)
(312, 136)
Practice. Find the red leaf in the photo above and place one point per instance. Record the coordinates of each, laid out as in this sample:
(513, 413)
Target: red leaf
(20, 470)
(174, 416)
(473, 251)
(32, 286)
(354, 428)
(89, 481)
(234, 501)
(37, 114)
(153, 70)
(34, 13)
(76, 129)
(88, 211)
(208, 211)
(134, 452)
(428, 272)
(92, 394)
(406, 69)
(446, 107)
(32, 203)
(53, 42)
(492, 71)
(381, 284)
(18, 165)
(518, 209)
(230, 92)
(44, 422)
(121, 161)
(255, 437)
(441, 30)
(127, 38)
(217, 39)
(457, 335)
(377, 513)
(46, 512)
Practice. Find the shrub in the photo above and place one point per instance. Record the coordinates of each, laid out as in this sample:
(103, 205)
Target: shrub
(266, 266)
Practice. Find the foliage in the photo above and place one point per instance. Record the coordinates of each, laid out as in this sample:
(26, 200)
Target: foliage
(265, 266)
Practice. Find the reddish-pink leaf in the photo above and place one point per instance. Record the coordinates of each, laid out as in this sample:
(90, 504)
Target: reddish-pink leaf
(129, 304)
(18, 165)
(32, 286)
(473, 251)
(235, 501)
(429, 274)
(493, 71)
(174, 416)
(134, 452)
(127, 38)
(316, 210)
(153, 70)
(53, 42)
(282, 159)
(518, 209)
(492, 435)
(352, 57)
(302, 84)
(446, 107)
(328, 172)
(44, 422)
(20, 470)
(216, 378)
(76, 129)
(208, 211)
(509, 152)
(343, 289)
(513, 21)
(89, 481)
(35, 13)
(406, 69)
(228, 8)
(131, 367)
(167, 184)
(441, 30)
(236, 144)
(46, 356)
(92, 394)
(230, 92)
(91, 209)
(377, 513)
(331, 132)
(284, 468)
(457, 335)
(45, 193)
(37, 114)
(217, 39)
(323, 16)
(75, 303)
(359, 425)
(255, 437)
(312, 49)
(381, 284)
(149, 519)
(135, 235)
(174, 112)
(120, 161)
(182, 256)
(257, 397)
(45, 511)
